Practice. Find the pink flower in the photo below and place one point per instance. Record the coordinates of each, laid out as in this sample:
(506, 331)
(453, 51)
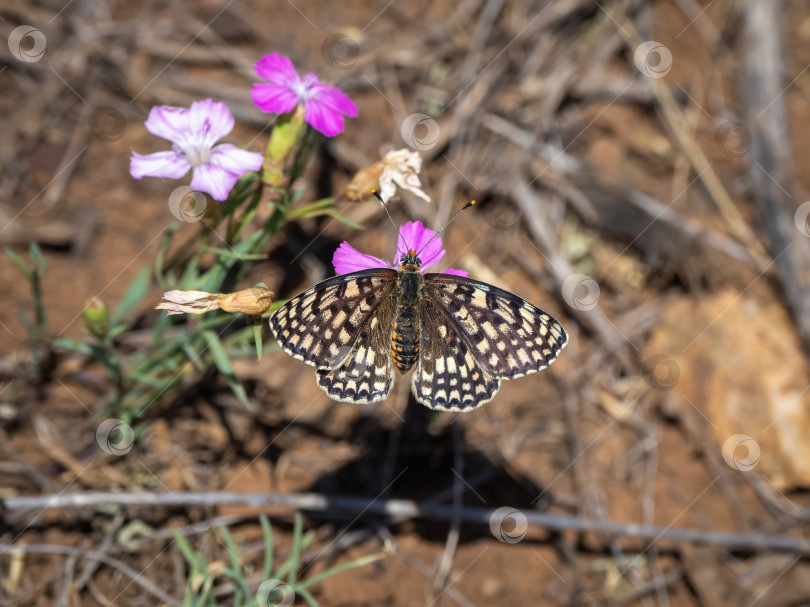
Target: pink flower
(193, 133)
(413, 236)
(324, 106)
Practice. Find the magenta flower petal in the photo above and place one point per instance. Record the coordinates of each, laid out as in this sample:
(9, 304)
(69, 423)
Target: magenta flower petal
(322, 118)
(235, 160)
(212, 120)
(414, 235)
(348, 259)
(275, 98)
(168, 122)
(456, 272)
(335, 99)
(277, 68)
(160, 164)
(324, 105)
(213, 179)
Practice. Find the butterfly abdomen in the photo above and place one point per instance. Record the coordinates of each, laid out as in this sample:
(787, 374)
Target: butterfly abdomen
(405, 328)
(405, 339)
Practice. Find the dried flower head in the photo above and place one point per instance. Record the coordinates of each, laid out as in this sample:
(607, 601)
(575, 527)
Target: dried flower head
(254, 301)
(398, 168)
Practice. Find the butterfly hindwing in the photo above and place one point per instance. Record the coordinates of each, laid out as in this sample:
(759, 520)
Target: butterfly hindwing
(364, 373)
(507, 335)
(447, 376)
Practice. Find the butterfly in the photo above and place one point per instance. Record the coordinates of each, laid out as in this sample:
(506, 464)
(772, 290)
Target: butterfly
(461, 336)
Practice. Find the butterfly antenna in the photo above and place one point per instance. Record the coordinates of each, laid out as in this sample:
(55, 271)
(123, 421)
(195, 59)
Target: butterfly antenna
(464, 208)
(384, 206)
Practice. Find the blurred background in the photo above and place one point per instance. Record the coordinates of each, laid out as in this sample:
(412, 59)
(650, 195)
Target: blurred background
(642, 174)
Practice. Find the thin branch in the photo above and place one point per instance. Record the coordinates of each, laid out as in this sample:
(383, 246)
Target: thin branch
(402, 510)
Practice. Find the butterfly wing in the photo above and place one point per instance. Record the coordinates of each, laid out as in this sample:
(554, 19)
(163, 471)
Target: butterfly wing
(342, 326)
(365, 374)
(507, 336)
(447, 376)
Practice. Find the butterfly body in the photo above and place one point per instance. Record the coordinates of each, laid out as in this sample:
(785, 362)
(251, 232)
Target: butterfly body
(460, 336)
(406, 325)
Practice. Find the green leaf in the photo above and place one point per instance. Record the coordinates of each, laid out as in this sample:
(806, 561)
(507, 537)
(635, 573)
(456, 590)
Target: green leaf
(295, 557)
(235, 255)
(235, 570)
(185, 548)
(37, 258)
(343, 219)
(94, 351)
(365, 560)
(267, 532)
(296, 195)
(223, 363)
(310, 210)
(19, 261)
(307, 596)
(257, 337)
(163, 251)
(137, 291)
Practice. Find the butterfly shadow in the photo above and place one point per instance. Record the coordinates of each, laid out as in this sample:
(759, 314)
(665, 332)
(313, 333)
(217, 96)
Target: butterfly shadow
(425, 458)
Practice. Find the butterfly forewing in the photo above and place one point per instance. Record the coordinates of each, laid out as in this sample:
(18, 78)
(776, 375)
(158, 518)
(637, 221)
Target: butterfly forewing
(508, 336)
(326, 324)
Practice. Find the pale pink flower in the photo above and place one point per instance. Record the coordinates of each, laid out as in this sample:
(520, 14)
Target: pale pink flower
(194, 132)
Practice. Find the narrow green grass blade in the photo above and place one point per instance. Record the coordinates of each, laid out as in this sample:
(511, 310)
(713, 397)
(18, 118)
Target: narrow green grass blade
(137, 291)
(223, 363)
(365, 560)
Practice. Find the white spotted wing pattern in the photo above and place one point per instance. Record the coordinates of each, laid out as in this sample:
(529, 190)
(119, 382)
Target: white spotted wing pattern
(342, 327)
(467, 336)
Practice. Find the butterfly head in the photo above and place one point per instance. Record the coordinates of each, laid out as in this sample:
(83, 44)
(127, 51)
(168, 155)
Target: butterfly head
(410, 261)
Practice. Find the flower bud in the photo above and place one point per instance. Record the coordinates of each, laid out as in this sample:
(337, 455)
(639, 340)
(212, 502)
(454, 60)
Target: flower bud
(96, 318)
(282, 141)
